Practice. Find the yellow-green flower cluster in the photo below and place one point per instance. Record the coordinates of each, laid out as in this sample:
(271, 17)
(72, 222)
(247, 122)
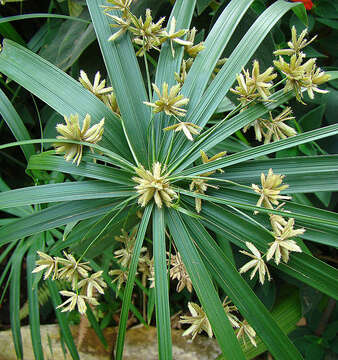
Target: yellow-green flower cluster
(72, 131)
(124, 257)
(200, 185)
(105, 94)
(300, 75)
(84, 285)
(254, 87)
(146, 33)
(274, 128)
(282, 230)
(153, 185)
(200, 322)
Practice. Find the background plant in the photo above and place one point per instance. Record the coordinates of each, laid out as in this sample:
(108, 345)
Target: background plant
(112, 215)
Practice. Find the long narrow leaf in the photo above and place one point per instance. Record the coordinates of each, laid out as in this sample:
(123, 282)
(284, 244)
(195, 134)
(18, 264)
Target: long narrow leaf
(68, 191)
(62, 319)
(130, 282)
(204, 288)
(33, 299)
(15, 123)
(161, 287)
(125, 76)
(45, 81)
(54, 216)
(241, 294)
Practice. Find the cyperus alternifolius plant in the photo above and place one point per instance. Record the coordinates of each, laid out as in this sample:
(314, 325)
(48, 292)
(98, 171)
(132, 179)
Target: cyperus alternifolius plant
(179, 217)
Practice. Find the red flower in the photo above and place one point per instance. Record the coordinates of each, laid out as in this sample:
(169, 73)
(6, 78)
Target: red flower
(307, 3)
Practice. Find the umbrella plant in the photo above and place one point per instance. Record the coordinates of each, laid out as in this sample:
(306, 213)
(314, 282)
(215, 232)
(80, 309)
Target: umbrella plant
(146, 158)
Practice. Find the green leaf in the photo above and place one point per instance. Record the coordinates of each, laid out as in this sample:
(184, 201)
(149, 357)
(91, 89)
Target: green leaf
(53, 217)
(301, 13)
(241, 294)
(125, 76)
(204, 288)
(166, 68)
(68, 191)
(62, 319)
(312, 119)
(301, 266)
(201, 112)
(15, 124)
(51, 162)
(45, 81)
(262, 150)
(33, 299)
(161, 287)
(68, 43)
(14, 303)
(130, 282)
(40, 15)
(202, 5)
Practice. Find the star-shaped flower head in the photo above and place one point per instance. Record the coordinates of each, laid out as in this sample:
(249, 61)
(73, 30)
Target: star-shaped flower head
(72, 270)
(229, 309)
(193, 50)
(188, 129)
(153, 185)
(179, 272)
(313, 79)
(296, 44)
(261, 82)
(121, 276)
(198, 321)
(174, 36)
(283, 244)
(270, 191)
(149, 35)
(72, 131)
(125, 254)
(275, 127)
(98, 87)
(296, 73)
(123, 5)
(255, 87)
(95, 281)
(48, 264)
(257, 263)
(200, 186)
(76, 300)
(170, 102)
(246, 330)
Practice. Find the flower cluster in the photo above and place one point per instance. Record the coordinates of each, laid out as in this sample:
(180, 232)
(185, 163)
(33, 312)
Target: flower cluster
(153, 185)
(200, 185)
(282, 230)
(123, 257)
(254, 87)
(300, 75)
(146, 33)
(200, 322)
(72, 131)
(105, 94)
(83, 284)
(179, 272)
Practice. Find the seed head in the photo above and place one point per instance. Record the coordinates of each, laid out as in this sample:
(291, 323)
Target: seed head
(188, 129)
(296, 44)
(283, 244)
(198, 321)
(270, 191)
(170, 102)
(179, 272)
(257, 263)
(72, 131)
(76, 300)
(153, 185)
